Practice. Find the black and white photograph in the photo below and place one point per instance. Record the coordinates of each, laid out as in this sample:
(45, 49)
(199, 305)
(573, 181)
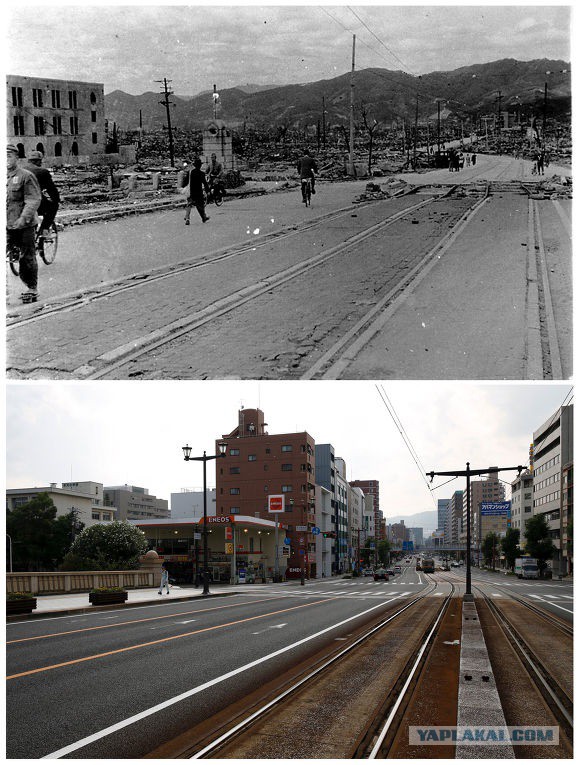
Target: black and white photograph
(289, 192)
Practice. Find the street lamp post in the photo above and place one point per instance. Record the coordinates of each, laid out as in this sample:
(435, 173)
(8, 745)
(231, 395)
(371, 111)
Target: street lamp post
(204, 459)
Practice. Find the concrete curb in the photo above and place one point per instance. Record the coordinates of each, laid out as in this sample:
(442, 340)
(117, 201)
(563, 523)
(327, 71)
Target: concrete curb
(479, 704)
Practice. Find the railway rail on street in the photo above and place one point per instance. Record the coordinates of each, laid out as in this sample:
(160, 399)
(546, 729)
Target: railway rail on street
(346, 291)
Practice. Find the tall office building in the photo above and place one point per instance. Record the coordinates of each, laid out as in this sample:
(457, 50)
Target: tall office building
(553, 481)
(371, 488)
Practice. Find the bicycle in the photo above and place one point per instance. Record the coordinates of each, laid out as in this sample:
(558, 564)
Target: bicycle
(46, 244)
(307, 191)
(215, 195)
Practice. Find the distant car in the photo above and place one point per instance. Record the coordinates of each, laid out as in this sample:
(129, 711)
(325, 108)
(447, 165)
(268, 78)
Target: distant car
(380, 573)
(455, 564)
(390, 571)
(397, 569)
(367, 572)
(418, 565)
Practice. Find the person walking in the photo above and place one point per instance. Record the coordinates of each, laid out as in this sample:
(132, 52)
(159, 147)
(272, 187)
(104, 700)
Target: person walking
(164, 579)
(23, 198)
(197, 186)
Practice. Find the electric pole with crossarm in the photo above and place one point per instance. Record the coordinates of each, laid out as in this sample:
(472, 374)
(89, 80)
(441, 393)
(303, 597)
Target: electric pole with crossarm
(468, 473)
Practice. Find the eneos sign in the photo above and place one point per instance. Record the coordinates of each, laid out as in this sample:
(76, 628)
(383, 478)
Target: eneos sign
(276, 503)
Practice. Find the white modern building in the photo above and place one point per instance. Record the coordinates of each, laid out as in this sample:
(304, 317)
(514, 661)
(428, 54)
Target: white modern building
(84, 497)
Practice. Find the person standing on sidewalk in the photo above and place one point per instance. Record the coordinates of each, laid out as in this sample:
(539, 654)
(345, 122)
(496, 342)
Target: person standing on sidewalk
(197, 187)
(22, 202)
(164, 579)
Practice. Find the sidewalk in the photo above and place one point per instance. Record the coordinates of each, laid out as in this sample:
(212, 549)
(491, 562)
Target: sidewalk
(77, 602)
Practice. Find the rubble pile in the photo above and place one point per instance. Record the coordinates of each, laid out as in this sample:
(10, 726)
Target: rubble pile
(556, 187)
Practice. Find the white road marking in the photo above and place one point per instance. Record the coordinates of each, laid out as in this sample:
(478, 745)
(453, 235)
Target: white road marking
(200, 688)
(272, 627)
(187, 621)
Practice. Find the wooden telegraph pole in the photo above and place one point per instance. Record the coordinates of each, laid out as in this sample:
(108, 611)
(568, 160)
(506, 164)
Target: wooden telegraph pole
(167, 104)
(352, 171)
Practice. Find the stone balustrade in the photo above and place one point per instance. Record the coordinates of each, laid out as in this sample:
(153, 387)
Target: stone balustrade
(58, 582)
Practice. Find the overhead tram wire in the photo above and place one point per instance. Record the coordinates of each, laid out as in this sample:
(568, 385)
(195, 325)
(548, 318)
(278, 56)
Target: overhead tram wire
(426, 98)
(405, 437)
(404, 67)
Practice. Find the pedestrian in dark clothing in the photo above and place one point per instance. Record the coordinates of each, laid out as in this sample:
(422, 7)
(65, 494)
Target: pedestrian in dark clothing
(473, 159)
(197, 187)
(50, 199)
(22, 202)
(541, 163)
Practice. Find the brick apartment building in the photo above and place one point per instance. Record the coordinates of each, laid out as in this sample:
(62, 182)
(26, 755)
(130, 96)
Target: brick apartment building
(63, 119)
(258, 465)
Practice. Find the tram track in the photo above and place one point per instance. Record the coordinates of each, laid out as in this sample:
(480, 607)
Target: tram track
(549, 687)
(325, 352)
(251, 728)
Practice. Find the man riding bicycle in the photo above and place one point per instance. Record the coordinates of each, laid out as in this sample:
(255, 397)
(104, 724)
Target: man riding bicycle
(50, 197)
(307, 168)
(215, 174)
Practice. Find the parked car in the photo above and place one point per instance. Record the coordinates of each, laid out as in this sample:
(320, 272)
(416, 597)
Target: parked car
(380, 574)
(367, 572)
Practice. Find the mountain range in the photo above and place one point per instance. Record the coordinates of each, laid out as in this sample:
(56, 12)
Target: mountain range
(385, 95)
(427, 520)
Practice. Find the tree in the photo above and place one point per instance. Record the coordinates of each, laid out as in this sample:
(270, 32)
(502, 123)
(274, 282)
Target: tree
(538, 541)
(384, 547)
(110, 546)
(510, 546)
(40, 540)
(489, 548)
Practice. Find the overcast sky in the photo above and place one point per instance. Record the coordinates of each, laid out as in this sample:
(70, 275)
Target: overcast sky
(132, 433)
(129, 46)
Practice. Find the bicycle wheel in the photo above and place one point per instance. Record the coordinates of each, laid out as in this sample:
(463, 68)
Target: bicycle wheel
(217, 198)
(13, 253)
(49, 245)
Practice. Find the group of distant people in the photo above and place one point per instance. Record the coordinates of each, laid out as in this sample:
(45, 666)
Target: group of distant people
(541, 159)
(30, 192)
(457, 160)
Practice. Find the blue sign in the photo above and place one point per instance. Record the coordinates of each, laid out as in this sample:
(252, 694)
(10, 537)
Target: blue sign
(501, 509)
(409, 546)
(287, 541)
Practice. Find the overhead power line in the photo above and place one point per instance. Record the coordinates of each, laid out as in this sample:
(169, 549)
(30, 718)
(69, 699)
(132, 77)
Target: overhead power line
(398, 423)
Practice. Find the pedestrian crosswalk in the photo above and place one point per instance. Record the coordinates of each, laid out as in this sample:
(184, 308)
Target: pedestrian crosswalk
(343, 592)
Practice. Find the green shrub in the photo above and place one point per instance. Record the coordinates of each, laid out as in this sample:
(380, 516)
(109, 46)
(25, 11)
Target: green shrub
(19, 596)
(108, 589)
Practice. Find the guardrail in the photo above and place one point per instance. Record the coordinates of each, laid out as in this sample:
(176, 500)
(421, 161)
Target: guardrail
(56, 582)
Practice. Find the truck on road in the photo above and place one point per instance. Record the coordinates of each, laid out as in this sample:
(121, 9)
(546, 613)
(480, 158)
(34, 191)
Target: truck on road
(526, 568)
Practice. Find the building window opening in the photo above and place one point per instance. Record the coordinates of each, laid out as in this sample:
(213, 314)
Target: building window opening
(58, 149)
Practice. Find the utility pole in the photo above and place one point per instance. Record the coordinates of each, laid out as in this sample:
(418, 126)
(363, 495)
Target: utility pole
(545, 115)
(500, 95)
(167, 104)
(468, 473)
(438, 104)
(415, 133)
(352, 172)
(324, 121)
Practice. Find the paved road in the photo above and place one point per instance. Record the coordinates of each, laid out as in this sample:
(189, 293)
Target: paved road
(118, 683)
(475, 314)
